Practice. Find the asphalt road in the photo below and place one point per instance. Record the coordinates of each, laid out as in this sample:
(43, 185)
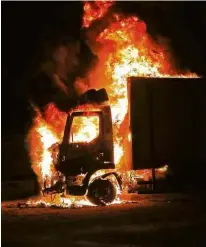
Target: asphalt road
(153, 220)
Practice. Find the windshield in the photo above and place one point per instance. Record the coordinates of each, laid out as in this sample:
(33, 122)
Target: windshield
(84, 129)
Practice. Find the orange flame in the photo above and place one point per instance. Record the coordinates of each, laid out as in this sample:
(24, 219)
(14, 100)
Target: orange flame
(84, 129)
(43, 134)
(94, 11)
(125, 50)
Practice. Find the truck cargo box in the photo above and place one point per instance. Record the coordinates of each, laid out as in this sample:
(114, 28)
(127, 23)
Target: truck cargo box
(168, 122)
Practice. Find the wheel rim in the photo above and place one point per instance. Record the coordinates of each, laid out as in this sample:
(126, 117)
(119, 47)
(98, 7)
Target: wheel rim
(101, 192)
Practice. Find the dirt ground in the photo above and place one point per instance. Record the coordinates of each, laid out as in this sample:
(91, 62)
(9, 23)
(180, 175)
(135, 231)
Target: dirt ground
(152, 220)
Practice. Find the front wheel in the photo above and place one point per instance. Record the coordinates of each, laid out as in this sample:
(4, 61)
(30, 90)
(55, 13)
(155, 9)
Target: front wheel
(101, 192)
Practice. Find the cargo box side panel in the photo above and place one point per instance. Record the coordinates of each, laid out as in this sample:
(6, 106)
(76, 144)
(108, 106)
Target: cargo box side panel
(140, 125)
(173, 121)
(168, 121)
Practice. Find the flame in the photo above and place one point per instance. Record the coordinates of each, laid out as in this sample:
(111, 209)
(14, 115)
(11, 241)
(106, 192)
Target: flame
(127, 51)
(124, 50)
(44, 133)
(129, 136)
(84, 129)
(94, 11)
(58, 201)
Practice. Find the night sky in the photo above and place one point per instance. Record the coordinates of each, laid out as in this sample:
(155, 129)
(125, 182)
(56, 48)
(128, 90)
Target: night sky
(27, 25)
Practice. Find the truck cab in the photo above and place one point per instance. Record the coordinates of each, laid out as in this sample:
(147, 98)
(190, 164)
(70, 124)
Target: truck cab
(87, 147)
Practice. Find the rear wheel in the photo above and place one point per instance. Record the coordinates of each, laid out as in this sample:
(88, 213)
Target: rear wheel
(101, 192)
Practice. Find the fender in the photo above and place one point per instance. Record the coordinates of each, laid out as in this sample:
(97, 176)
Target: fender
(116, 176)
(104, 173)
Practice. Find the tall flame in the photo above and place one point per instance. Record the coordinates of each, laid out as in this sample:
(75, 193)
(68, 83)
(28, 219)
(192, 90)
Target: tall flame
(125, 49)
(43, 134)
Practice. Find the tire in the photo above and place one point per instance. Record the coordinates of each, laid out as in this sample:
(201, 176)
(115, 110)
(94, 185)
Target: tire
(101, 192)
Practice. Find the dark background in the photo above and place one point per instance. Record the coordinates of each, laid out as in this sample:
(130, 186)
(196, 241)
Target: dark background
(26, 26)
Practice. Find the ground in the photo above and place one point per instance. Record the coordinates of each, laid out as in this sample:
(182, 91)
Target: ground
(152, 220)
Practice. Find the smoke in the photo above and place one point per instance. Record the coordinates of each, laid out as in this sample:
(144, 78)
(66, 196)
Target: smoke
(81, 85)
(54, 78)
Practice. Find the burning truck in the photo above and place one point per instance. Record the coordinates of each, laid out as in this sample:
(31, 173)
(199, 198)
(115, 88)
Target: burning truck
(84, 159)
(122, 132)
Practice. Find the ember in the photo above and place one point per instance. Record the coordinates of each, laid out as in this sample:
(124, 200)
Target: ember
(125, 50)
